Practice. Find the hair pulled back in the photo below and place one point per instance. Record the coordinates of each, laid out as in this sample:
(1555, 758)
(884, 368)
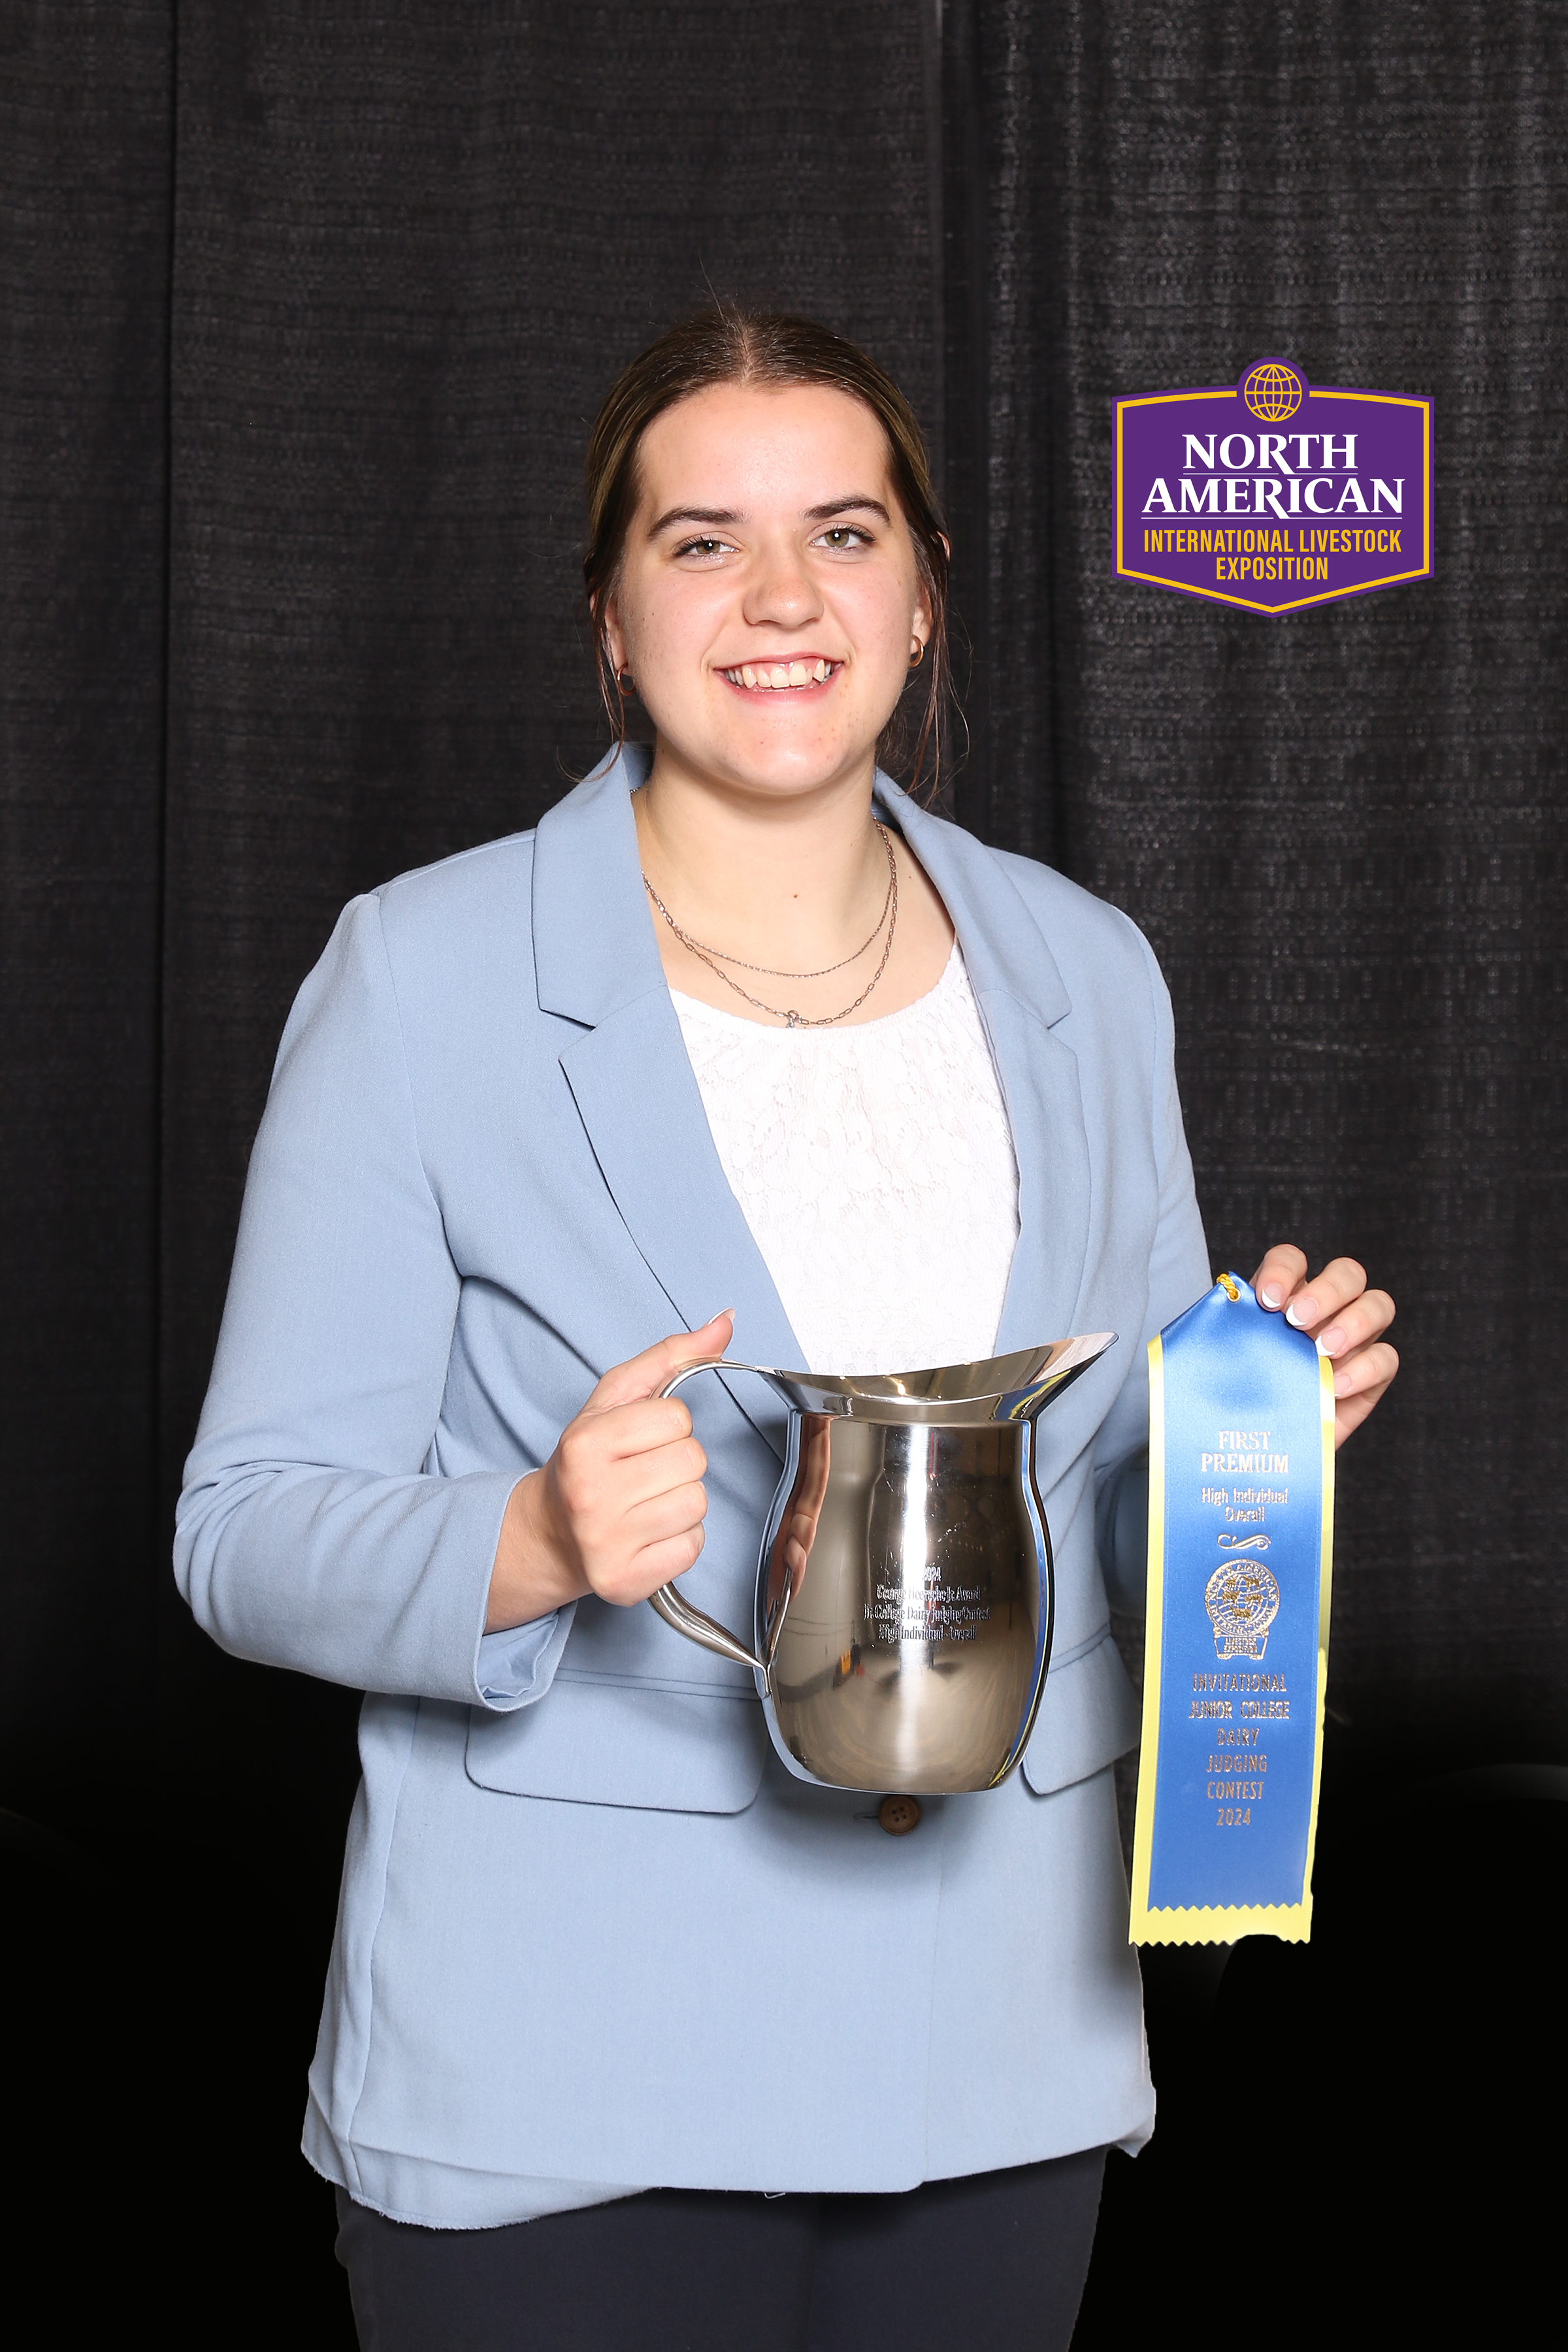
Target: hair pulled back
(731, 345)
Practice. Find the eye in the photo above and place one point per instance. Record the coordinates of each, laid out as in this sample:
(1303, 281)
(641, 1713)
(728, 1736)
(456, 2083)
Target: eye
(843, 538)
(703, 547)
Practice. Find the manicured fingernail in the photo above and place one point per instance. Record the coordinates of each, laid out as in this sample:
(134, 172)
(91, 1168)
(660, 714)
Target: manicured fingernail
(1271, 1294)
(1330, 1342)
(1300, 1312)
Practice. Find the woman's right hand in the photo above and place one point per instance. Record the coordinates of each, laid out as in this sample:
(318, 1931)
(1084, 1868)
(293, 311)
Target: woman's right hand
(618, 1508)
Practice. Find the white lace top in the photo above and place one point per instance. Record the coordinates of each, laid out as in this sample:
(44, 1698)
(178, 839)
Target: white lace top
(875, 1166)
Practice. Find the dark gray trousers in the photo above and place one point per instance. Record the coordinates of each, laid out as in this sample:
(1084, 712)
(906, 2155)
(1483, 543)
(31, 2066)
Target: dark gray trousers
(996, 2259)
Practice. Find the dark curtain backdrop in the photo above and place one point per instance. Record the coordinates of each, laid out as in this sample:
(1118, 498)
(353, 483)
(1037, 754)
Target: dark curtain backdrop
(304, 311)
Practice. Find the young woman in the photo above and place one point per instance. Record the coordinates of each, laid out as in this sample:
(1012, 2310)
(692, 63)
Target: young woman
(629, 2036)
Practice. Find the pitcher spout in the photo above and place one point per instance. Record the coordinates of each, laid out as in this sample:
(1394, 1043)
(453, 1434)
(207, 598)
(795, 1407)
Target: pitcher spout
(1069, 1360)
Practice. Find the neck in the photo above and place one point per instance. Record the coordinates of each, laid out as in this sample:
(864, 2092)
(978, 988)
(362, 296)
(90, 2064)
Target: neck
(780, 877)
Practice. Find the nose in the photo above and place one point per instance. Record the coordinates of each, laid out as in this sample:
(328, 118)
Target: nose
(781, 592)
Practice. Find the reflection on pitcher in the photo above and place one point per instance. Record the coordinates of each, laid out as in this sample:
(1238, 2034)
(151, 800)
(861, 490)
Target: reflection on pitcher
(802, 1513)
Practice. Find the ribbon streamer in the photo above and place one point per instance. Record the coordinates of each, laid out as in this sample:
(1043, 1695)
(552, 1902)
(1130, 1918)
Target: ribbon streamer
(1241, 1493)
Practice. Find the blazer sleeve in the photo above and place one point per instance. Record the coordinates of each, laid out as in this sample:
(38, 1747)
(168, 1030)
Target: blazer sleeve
(1178, 1274)
(314, 1529)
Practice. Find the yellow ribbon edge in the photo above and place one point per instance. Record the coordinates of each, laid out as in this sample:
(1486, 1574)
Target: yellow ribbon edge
(1153, 1642)
(1325, 1597)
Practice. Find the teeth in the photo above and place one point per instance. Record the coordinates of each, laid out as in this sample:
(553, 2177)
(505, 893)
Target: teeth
(779, 676)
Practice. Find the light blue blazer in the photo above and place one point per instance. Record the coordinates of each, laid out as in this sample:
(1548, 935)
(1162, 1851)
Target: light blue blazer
(592, 1936)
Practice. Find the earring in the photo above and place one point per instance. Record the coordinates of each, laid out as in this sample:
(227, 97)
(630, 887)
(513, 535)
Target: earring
(918, 656)
(626, 681)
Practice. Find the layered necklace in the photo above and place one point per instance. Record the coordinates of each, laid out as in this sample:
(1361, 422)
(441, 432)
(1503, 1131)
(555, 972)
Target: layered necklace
(714, 957)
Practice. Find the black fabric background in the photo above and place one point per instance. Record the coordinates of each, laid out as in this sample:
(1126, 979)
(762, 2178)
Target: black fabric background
(306, 310)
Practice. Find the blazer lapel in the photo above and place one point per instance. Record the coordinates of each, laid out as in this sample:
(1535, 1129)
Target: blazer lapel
(1021, 996)
(598, 964)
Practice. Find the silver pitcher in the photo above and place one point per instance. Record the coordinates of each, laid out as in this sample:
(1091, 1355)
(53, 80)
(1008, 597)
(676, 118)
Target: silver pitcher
(904, 1591)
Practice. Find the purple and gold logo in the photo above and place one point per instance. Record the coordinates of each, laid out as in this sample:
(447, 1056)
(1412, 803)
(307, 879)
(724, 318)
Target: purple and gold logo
(1274, 493)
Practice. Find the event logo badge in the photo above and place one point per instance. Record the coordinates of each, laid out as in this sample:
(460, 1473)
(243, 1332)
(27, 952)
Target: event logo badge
(1242, 1600)
(1274, 493)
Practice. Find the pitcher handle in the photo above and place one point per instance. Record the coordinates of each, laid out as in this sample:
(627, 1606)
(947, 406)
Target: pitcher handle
(695, 1624)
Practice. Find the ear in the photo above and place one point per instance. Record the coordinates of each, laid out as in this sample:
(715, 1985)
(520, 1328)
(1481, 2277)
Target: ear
(615, 636)
(921, 623)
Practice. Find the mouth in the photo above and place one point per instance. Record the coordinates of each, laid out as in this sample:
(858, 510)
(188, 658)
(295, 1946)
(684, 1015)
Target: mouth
(782, 677)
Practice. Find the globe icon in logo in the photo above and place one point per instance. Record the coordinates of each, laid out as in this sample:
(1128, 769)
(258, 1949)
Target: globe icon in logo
(1272, 391)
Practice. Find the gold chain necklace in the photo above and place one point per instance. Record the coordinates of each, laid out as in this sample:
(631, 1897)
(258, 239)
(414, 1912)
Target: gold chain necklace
(713, 957)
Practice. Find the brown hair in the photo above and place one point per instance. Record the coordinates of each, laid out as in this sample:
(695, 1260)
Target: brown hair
(730, 345)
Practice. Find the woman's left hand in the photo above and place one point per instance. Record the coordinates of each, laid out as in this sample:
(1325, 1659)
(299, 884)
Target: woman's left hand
(1345, 1318)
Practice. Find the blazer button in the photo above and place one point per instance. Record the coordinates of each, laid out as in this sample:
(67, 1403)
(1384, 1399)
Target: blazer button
(899, 1815)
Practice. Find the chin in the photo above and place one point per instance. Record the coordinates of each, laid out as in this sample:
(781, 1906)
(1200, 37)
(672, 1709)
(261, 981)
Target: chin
(797, 757)
(786, 768)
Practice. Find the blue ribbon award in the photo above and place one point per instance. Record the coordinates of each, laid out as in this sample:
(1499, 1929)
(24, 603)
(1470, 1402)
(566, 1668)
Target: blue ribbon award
(1241, 1499)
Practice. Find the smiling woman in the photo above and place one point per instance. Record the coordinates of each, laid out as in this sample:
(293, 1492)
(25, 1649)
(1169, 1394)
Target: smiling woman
(728, 349)
(634, 2032)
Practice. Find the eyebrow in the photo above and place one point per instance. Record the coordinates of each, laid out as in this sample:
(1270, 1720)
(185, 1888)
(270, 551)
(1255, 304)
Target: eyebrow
(846, 506)
(727, 515)
(692, 514)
